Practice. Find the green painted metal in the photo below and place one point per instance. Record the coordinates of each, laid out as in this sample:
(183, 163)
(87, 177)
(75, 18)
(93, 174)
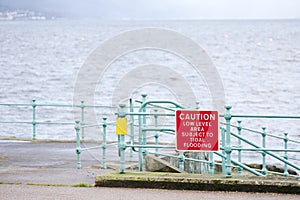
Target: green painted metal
(286, 139)
(223, 131)
(142, 125)
(226, 135)
(211, 163)
(260, 132)
(156, 132)
(122, 148)
(82, 120)
(264, 165)
(181, 159)
(267, 151)
(241, 165)
(227, 148)
(131, 128)
(239, 128)
(104, 125)
(34, 122)
(227, 141)
(33, 119)
(264, 149)
(78, 148)
(263, 116)
(121, 139)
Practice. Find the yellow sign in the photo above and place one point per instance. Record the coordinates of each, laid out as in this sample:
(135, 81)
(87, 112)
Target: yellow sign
(121, 126)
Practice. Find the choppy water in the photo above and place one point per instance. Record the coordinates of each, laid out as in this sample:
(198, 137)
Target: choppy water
(258, 61)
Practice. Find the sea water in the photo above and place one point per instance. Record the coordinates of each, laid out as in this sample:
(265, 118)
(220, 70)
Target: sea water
(258, 62)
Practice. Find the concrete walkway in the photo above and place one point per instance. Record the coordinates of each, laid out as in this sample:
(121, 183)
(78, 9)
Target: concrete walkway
(29, 162)
(53, 164)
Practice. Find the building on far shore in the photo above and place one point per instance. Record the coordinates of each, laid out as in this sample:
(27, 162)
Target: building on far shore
(18, 14)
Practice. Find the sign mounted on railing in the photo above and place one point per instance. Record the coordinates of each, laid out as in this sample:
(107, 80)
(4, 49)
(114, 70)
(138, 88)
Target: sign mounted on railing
(121, 126)
(197, 130)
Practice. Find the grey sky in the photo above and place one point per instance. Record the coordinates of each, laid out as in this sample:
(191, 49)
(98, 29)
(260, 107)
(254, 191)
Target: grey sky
(165, 9)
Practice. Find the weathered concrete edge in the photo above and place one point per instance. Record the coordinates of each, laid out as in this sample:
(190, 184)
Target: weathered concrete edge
(196, 182)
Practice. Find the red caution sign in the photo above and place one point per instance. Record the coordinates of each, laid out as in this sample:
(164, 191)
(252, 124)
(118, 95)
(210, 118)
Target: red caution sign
(197, 130)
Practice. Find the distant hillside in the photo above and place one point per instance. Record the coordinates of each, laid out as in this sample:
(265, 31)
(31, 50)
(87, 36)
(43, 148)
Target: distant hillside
(7, 13)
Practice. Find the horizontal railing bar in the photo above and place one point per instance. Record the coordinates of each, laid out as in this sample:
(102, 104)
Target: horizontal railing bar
(20, 122)
(254, 131)
(264, 116)
(161, 154)
(150, 114)
(89, 148)
(58, 105)
(157, 106)
(264, 149)
(249, 169)
(267, 152)
(185, 158)
(66, 123)
(97, 106)
(158, 129)
(259, 132)
(17, 104)
(150, 146)
(98, 124)
(278, 173)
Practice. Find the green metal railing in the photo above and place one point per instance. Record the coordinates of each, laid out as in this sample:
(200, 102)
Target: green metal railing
(140, 132)
(226, 148)
(34, 121)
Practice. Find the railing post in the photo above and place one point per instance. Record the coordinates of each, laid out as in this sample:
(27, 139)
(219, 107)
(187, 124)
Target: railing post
(223, 152)
(228, 142)
(78, 148)
(239, 128)
(286, 139)
(142, 136)
(181, 160)
(131, 129)
(122, 148)
(104, 143)
(211, 163)
(156, 133)
(144, 120)
(197, 105)
(264, 167)
(121, 138)
(33, 119)
(82, 119)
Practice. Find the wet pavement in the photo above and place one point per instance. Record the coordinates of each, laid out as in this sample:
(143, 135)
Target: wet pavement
(50, 163)
(47, 170)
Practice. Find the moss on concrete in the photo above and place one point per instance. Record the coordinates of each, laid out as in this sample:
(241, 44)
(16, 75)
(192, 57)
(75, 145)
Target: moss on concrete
(198, 182)
(82, 185)
(46, 184)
